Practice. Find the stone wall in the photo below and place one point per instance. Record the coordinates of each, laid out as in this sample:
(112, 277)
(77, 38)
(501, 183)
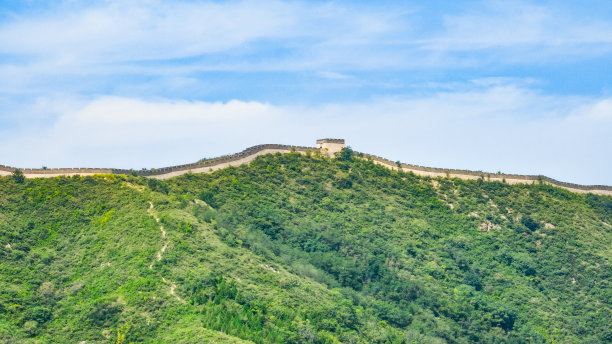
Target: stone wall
(243, 157)
(501, 177)
(251, 153)
(212, 163)
(53, 172)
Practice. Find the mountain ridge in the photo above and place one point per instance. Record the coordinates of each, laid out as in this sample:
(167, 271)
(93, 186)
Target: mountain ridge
(251, 153)
(302, 248)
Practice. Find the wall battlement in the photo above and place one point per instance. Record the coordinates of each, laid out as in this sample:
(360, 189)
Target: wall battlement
(327, 147)
(340, 141)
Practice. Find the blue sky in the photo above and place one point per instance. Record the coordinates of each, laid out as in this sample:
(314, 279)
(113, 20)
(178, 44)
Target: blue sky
(518, 87)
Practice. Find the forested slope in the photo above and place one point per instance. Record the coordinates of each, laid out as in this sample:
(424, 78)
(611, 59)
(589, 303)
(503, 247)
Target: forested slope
(298, 249)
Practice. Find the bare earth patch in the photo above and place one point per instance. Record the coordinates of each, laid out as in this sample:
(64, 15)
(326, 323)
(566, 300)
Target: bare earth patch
(487, 226)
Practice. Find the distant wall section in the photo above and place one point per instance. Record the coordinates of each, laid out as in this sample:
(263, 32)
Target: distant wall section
(500, 177)
(240, 158)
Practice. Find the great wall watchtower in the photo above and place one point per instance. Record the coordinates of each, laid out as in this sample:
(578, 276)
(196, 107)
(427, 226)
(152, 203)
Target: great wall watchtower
(329, 147)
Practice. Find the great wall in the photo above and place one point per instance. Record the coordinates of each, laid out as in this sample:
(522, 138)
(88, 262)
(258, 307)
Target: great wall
(327, 147)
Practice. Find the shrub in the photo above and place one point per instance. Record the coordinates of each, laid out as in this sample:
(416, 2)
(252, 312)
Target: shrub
(208, 196)
(18, 176)
(346, 154)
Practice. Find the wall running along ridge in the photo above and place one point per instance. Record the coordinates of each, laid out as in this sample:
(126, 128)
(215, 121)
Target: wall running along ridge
(500, 177)
(237, 159)
(251, 153)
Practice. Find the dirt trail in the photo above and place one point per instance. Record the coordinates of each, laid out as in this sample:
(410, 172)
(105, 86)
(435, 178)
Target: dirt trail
(172, 292)
(163, 234)
(160, 253)
(152, 213)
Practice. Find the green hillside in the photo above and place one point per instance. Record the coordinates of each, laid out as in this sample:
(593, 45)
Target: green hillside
(300, 248)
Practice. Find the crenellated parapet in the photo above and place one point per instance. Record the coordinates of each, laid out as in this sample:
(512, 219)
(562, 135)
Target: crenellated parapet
(327, 147)
(164, 172)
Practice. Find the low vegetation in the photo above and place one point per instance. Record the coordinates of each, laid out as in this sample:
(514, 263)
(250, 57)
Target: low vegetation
(302, 249)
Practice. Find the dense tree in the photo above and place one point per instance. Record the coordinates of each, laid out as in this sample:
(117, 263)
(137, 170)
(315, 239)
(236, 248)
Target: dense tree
(300, 248)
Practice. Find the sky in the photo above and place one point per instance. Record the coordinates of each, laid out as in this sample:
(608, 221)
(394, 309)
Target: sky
(513, 86)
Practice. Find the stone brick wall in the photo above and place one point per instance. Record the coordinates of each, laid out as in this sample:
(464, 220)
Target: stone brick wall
(466, 174)
(249, 154)
(39, 172)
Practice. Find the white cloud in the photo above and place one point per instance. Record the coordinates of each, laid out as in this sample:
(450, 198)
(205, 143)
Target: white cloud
(600, 111)
(120, 112)
(119, 31)
(531, 31)
(506, 24)
(84, 47)
(113, 36)
(503, 128)
(143, 30)
(334, 75)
